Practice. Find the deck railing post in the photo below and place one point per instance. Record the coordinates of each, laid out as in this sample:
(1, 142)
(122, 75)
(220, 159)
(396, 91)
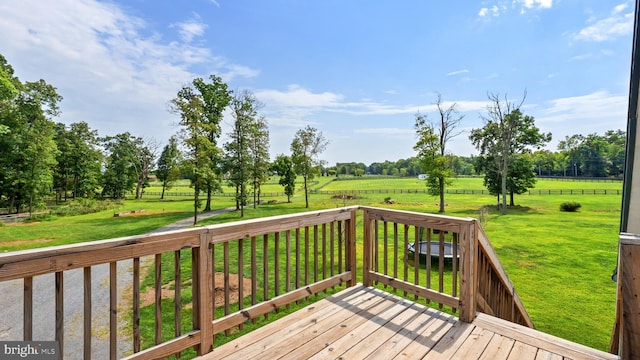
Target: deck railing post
(205, 294)
(628, 293)
(351, 244)
(366, 244)
(468, 272)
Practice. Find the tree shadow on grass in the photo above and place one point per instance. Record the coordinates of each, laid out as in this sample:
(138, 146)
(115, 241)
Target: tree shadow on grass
(494, 210)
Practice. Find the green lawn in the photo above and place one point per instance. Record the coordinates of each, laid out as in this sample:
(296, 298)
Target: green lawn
(560, 263)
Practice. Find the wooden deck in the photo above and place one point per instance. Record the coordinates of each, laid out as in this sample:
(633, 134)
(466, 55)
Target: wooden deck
(368, 323)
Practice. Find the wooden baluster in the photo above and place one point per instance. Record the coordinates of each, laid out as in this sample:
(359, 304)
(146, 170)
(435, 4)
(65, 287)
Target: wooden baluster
(87, 314)
(158, 297)
(136, 305)
(28, 308)
(113, 311)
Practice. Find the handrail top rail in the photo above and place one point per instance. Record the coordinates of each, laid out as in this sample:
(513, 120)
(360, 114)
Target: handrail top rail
(408, 212)
(21, 255)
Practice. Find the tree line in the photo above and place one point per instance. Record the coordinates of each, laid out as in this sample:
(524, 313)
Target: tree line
(40, 158)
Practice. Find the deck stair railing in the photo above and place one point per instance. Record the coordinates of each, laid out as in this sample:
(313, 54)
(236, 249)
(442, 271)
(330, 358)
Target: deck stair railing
(209, 281)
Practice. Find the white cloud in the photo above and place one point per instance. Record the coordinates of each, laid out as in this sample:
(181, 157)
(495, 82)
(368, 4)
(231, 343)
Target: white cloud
(296, 96)
(457, 72)
(500, 7)
(540, 4)
(190, 29)
(113, 70)
(619, 8)
(617, 24)
(600, 105)
(214, 2)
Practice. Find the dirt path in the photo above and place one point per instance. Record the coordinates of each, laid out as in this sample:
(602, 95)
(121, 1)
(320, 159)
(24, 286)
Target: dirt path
(11, 300)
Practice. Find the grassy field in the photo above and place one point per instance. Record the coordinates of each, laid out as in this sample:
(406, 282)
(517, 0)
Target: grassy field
(560, 263)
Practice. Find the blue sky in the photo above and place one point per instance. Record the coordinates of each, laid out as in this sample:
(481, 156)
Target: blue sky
(356, 70)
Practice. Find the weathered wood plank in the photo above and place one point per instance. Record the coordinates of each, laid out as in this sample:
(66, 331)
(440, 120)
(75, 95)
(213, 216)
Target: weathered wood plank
(451, 341)
(428, 338)
(538, 339)
(342, 347)
(440, 222)
(522, 351)
(546, 355)
(375, 339)
(80, 256)
(291, 323)
(498, 348)
(475, 345)
(168, 348)
(392, 347)
(325, 329)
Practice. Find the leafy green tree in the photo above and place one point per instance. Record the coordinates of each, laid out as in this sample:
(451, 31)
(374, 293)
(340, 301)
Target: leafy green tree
(169, 165)
(259, 151)
(79, 168)
(431, 147)
(27, 146)
(283, 166)
(616, 142)
(200, 106)
(506, 132)
(145, 156)
(237, 150)
(544, 161)
(120, 174)
(520, 178)
(307, 145)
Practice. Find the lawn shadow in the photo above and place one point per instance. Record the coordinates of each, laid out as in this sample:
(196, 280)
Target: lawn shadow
(494, 210)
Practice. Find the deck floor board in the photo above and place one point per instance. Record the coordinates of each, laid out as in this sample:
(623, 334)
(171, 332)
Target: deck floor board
(361, 322)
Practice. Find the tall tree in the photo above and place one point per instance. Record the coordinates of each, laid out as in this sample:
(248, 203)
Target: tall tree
(145, 153)
(431, 147)
(200, 106)
(307, 145)
(169, 165)
(259, 152)
(238, 149)
(520, 177)
(27, 147)
(121, 173)
(79, 167)
(283, 166)
(506, 132)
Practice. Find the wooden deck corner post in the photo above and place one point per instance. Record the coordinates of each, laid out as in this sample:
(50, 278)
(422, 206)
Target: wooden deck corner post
(366, 244)
(468, 271)
(351, 251)
(628, 294)
(205, 294)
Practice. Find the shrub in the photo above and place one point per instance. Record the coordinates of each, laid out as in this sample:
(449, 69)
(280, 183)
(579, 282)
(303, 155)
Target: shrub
(570, 206)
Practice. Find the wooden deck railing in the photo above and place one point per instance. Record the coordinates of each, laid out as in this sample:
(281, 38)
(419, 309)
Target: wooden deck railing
(274, 261)
(476, 282)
